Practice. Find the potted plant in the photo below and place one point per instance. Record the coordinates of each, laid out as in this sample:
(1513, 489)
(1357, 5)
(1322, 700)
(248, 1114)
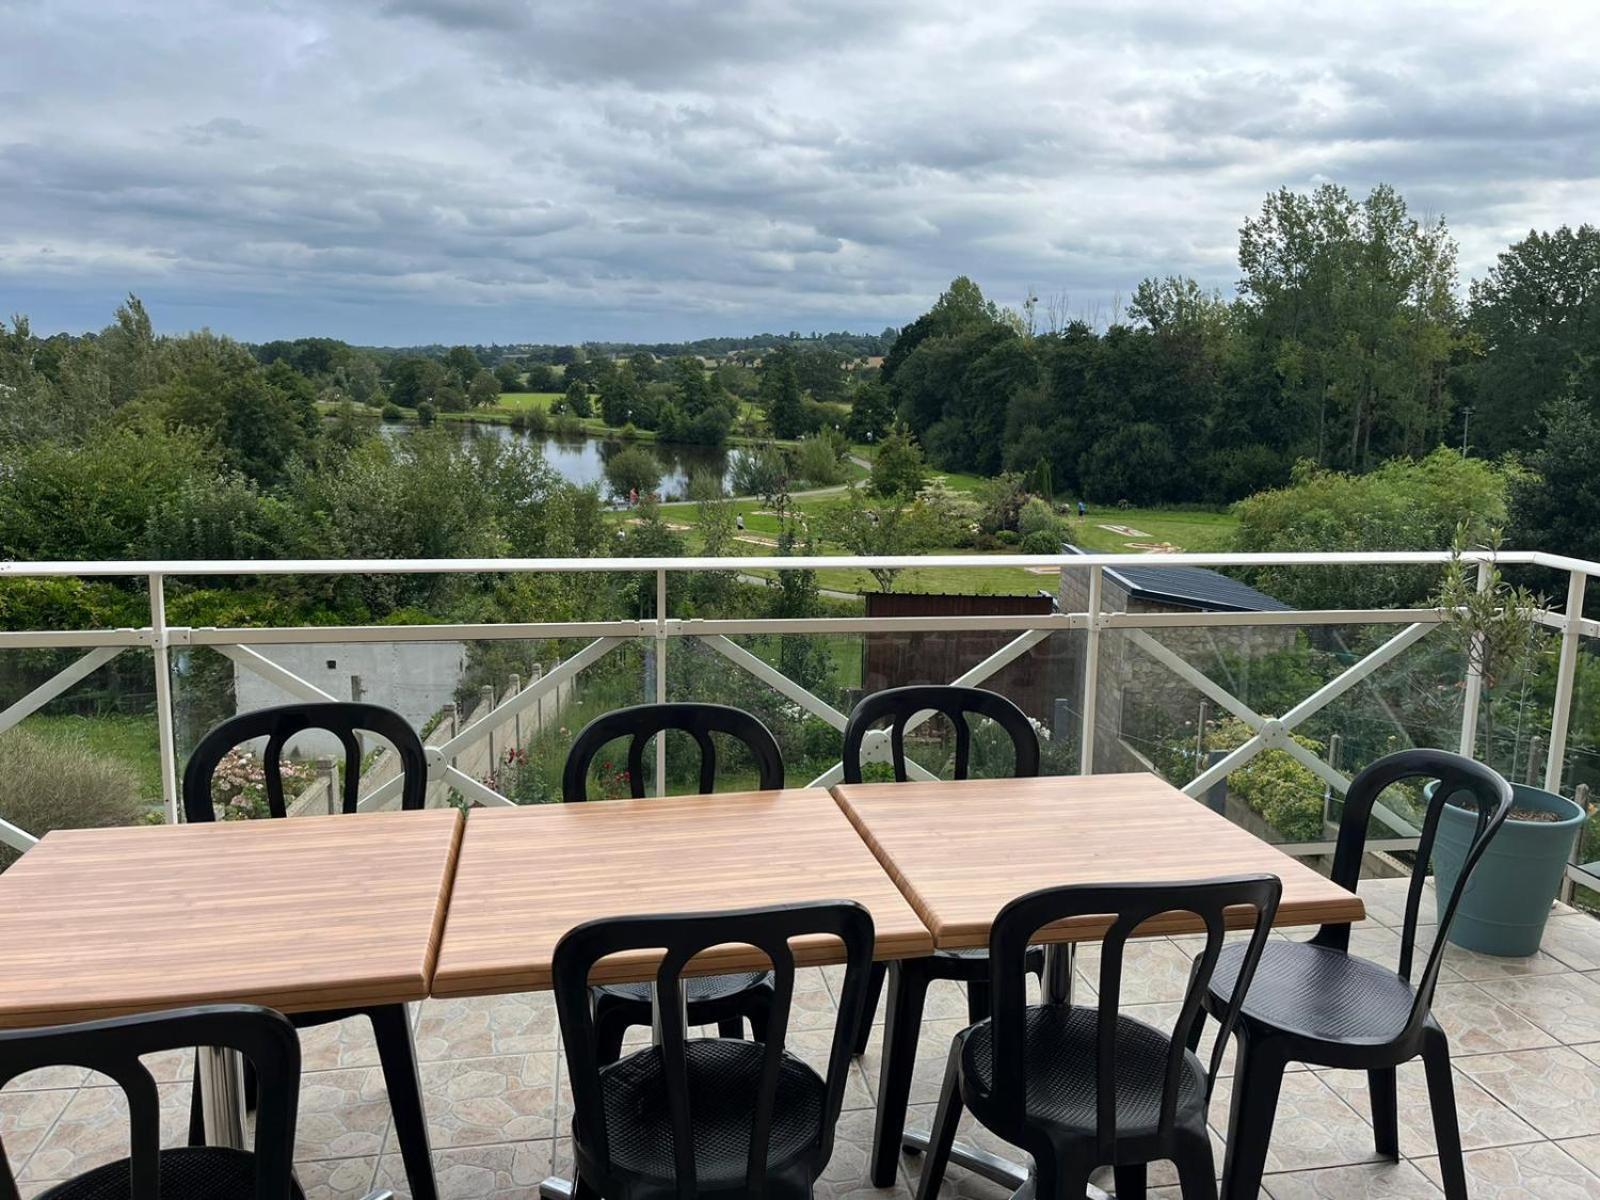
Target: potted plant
(1508, 900)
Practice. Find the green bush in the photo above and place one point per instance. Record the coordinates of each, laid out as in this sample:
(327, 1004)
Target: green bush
(819, 460)
(62, 783)
(1007, 537)
(632, 469)
(426, 413)
(1041, 541)
(393, 412)
(1038, 517)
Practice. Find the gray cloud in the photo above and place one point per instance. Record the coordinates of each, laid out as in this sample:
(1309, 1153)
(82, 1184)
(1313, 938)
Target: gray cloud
(498, 169)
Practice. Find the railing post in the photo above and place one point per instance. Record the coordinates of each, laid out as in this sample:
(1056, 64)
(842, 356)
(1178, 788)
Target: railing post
(661, 677)
(1571, 633)
(1091, 675)
(1472, 698)
(166, 739)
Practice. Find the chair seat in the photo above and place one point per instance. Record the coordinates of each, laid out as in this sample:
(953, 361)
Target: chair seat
(723, 1077)
(1061, 1072)
(1316, 992)
(200, 1173)
(697, 990)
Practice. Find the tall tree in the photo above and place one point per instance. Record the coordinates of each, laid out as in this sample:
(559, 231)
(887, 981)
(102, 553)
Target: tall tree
(780, 394)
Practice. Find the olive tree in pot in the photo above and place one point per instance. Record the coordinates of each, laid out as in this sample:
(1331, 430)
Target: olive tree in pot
(1508, 899)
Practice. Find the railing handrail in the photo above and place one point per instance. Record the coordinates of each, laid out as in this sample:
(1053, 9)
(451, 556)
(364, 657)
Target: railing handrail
(814, 562)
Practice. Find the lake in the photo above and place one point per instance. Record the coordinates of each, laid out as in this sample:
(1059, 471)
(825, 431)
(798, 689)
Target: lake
(582, 460)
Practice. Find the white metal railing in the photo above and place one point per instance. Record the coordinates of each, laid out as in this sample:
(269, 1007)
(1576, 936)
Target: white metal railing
(1268, 732)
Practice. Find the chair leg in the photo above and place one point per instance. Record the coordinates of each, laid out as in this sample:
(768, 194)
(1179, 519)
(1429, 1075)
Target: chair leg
(1257, 1078)
(908, 988)
(1442, 1100)
(1197, 1178)
(978, 1006)
(730, 1027)
(758, 1010)
(1385, 1111)
(870, 1010)
(391, 1026)
(197, 1119)
(943, 1133)
(1060, 1180)
(1131, 1181)
(1197, 1030)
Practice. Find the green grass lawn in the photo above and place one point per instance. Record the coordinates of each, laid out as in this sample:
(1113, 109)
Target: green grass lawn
(128, 738)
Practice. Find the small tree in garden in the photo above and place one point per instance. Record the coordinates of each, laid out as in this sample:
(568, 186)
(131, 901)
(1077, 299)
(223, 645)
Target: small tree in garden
(1495, 626)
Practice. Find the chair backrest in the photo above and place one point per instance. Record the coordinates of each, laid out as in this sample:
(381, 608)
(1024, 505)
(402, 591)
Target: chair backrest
(281, 723)
(681, 936)
(1130, 905)
(644, 721)
(902, 703)
(113, 1047)
(1456, 776)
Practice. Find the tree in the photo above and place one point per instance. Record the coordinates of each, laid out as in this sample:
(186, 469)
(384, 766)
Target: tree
(1536, 319)
(779, 394)
(871, 412)
(1553, 504)
(484, 389)
(541, 378)
(898, 469)
(414, 379)
(462, 362)
(620, 397)
(820, 371)
(633, 469)
(507, 376)
(868, 525)
(1353, 306)
(131, 352)
(577, 400)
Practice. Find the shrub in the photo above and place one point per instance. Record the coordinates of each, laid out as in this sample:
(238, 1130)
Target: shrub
(567, 425)
(61, 783)
(531, 420)
(239, 786)
(1037, 517)
(1041, 541)
(426, 413)
(819, 460)
(393, 412)
(758, 471)
(629, 431)
(1007, 537)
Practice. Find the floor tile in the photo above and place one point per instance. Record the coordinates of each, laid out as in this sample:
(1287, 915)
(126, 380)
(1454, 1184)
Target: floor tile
(1574, 941)
(25, 1119)
(501, 1171)
(1566, 1006)
(1585, 1149)
(47, 1079)
(343, 1114)
(845, 1177)
(1475, 967)
(1369, 1181)
(1484, 1121)
(1477, 1023)
(483, 1101)
(93, 1130)
(337, 1045)
(959, 1182)
(1540, 1171)
(1385, 901)
(484, 1026)
(1556, 1090)
(1153, 970)
(336, 1178)
(1314, 1127)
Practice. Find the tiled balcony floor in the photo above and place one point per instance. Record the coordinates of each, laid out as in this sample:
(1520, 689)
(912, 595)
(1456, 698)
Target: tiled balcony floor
(1525, 1034)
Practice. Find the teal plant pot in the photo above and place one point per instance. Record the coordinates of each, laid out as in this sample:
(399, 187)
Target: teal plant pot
(1507, 901)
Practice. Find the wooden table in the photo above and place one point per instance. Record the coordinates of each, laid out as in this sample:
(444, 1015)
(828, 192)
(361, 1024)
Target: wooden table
(526, 876)
(304, 914)
(961, 851)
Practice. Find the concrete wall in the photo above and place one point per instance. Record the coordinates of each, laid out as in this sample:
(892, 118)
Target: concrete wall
(416, 679)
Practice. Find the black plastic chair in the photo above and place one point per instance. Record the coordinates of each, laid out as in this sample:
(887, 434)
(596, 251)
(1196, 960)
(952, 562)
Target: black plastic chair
(113, 1047)
(909, 979)
(391, 1024)
(706, 1118)
(644, 721)
(721, 1000)
(1315, 1002)
(1081, 1088)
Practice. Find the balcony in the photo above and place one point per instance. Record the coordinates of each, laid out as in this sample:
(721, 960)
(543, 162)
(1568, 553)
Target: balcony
(1263, 712)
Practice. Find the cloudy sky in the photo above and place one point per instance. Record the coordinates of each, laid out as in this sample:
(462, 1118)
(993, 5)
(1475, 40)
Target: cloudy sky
(477, 170)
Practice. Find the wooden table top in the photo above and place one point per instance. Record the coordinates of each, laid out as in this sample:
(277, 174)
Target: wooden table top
(527, 875)
(307, 913)
(961, 851)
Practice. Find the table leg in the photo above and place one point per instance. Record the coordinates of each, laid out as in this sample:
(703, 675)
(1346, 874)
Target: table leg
(1059, 961)
(222, 1096)
(556, 1188)
(908, 987)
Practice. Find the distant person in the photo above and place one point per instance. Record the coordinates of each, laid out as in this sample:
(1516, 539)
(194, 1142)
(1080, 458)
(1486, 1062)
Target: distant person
(633, 497)
(1083, 510)
(739, 522)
